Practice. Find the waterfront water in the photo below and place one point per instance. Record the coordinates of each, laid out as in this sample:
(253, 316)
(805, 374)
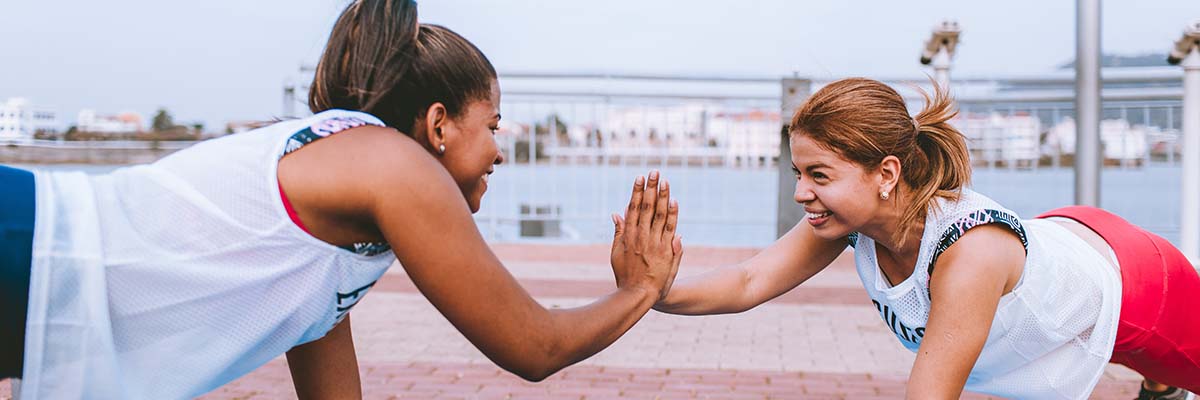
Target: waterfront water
(737, 206)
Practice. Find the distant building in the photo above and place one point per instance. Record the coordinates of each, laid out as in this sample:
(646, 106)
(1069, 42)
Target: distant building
(126, 122)
(747, 136)
(992, 137)
(20, 120)
(1120, 140)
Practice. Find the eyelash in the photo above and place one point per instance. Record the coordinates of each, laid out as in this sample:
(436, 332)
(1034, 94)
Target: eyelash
(815, 175)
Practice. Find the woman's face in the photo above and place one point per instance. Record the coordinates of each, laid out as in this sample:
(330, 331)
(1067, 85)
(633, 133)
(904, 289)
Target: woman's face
(838, 196)
(471, 152)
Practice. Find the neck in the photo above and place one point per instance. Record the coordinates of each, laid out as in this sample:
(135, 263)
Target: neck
(885, 228)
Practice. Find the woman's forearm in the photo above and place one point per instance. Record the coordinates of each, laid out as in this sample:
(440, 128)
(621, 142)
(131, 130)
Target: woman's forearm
(720, 291)
(584, 331)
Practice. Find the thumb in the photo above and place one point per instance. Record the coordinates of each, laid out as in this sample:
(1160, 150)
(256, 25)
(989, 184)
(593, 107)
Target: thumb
(618, 227)
(677, 247)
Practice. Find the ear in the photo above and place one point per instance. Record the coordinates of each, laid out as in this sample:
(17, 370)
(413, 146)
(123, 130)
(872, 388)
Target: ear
(431, 124)
(889, 173)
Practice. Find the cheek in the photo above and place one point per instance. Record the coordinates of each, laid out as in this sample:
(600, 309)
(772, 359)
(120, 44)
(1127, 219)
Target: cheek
(844, 201)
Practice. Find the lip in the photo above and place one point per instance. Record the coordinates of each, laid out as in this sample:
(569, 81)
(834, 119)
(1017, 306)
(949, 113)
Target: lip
(817, 222)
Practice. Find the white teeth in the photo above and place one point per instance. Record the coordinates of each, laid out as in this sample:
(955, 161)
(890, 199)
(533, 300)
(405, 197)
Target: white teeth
(818, 216)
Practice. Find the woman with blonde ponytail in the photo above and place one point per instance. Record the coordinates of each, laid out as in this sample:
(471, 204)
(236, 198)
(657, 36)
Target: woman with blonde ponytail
(1020, 308)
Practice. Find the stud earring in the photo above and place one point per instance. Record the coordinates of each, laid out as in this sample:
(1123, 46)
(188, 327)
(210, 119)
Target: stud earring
(883, 195)
(442, 148)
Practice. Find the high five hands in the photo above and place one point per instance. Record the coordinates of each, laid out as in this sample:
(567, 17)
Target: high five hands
(646, 248)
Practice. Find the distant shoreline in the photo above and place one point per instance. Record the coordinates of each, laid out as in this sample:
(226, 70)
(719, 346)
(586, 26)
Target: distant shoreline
(88, 152)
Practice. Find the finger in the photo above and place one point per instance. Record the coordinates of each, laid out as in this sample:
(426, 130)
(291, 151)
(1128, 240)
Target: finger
(646, 211)
(618, 228)
(661, 210)
(672, 220)
(635, 201)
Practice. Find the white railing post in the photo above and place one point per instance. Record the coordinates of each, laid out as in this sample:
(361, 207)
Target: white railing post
(1187, 54)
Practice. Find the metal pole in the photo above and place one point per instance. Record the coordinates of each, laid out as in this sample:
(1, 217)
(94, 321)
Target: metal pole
(1087, 103)
(941, 67)
(788, 213)
(1190, 205)
(289, 100)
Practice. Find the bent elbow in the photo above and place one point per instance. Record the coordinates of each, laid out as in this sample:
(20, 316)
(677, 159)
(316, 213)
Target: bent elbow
(537, 365)
(531, 373)
(535, 375)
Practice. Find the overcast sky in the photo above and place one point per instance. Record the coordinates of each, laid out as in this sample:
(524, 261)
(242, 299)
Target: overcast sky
(220, 60)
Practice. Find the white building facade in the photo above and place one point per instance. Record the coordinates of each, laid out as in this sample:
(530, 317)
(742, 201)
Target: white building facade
(89, 121)
(20, 120)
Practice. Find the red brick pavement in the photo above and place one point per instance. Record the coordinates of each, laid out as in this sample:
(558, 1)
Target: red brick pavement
(594, 289)
(477, 381)
(462, 380)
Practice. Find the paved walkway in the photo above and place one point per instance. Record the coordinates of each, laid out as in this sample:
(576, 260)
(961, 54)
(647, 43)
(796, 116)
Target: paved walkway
(820, 341)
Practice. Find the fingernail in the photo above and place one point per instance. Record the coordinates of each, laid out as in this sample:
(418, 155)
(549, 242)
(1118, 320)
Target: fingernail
(666, 184)
(674, 203)
(654, 174)
(641, 180)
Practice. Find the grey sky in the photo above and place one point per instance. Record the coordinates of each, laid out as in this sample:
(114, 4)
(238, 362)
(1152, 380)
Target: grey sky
(222, 60)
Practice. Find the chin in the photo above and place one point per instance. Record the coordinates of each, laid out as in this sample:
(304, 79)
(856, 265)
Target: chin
(475, 203)
(830, 234)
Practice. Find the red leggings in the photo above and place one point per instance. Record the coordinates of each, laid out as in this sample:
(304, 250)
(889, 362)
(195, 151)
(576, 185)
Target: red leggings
(1159, 332)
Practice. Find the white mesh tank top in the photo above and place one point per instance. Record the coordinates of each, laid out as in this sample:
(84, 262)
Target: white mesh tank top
(168, 280)
(1051, 336)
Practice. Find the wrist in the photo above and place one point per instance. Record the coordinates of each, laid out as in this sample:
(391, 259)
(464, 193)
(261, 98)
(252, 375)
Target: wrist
(644, 292)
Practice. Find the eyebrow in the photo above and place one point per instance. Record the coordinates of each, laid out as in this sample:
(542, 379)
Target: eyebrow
(817, 165)
(811, 167)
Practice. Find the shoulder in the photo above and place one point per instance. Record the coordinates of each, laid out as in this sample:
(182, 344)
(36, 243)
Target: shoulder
(371, 154)
(994, 240)
(365, 166)
(967, 216)
(987, 254)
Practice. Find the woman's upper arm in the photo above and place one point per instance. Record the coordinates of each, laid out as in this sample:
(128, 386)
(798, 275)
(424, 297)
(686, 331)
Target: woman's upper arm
(423, 216)
(965, 291)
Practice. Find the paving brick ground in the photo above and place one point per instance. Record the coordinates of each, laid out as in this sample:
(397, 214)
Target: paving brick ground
(821, 341)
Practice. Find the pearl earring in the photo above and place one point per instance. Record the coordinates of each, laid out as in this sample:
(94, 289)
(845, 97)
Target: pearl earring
(883, 195)
(442, 148)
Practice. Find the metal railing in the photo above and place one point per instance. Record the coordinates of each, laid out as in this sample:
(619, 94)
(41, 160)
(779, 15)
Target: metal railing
(574, 148)
(575, 142)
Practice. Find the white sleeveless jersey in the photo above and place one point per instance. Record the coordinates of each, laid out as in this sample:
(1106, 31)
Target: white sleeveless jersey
(1051, 336)
(168, 280)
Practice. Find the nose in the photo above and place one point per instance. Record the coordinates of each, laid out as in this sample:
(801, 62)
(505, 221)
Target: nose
(499, 157)
(803, 193)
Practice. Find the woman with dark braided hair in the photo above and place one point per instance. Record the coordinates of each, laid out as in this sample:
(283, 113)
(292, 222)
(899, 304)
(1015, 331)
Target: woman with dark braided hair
(989, 302)
(168, 280)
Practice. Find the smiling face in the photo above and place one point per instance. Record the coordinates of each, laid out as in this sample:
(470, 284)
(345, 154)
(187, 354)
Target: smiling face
(838, 196)
(471, 152)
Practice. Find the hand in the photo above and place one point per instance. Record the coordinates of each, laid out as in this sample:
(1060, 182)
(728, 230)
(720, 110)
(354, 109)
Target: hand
(646, 248)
